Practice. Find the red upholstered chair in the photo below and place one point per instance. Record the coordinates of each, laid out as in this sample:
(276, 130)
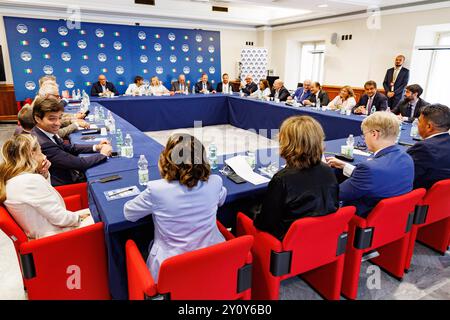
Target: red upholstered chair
(313, 248)
(219, 272)
(386, 230)
(69, 265)
(432, 220)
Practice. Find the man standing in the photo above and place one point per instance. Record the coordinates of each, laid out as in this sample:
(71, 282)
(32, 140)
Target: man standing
(180, 85)
(225, 86)
(302, 93)
(432, 155)
(249, 87)
(103, 87)
(411, 105)
(203, 86)
(372, 98)
(395, 81)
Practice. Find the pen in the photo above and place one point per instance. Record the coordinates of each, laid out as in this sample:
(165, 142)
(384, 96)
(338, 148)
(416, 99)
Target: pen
(115, 194)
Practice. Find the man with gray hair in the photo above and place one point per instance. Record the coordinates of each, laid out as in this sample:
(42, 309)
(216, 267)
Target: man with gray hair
(180, 86)
(279, 91)
(388, 173)
(249, 86)
(302, 93)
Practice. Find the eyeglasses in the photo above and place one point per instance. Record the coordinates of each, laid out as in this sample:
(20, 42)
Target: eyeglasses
(364, 133)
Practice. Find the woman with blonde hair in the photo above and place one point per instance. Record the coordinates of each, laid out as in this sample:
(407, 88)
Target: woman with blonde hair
(345, 100)
(27, 193)
(157, 88)
(306, 187)
(183, 204)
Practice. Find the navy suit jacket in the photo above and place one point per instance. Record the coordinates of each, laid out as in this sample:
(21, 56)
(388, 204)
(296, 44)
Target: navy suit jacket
(399, 86)
(299, 92)
(380, 101)
(250, 88)
(97, 88)
(389, 174)
(402, 108)
(199, 87)
(431, 160)
(65, 160)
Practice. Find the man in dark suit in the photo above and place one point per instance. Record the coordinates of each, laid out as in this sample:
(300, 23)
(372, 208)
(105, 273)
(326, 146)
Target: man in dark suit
(180, 85)
(316, 93)
(203, 86)
(225, 86)
(432, 155)
(279, 91)
(103, 87)
(412, 104)
(388, 173)
(372, 98)
(395, 81)
(66, 167)
(249, 86)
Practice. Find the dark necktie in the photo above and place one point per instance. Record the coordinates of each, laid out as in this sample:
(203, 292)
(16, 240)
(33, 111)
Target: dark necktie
(58, 140)
(409, 111)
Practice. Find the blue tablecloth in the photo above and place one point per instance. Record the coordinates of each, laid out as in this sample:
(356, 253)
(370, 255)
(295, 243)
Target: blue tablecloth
(160, 113)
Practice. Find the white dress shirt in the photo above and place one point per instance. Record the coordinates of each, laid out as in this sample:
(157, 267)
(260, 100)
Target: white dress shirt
(51, 136)
(347, 104)
(158, 90)
(184, 219)
(134, 89)
(37, 207)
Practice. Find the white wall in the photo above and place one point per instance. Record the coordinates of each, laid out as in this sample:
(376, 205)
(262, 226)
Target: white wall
(232, 40)
(353, 62)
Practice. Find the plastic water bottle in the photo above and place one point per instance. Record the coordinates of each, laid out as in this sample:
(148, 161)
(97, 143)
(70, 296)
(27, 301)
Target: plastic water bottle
(102, 113)
(212, 156)
(78, 94)
(399, 131)
(119, 141)
(415, 128)
(193, 89)
(96, 114)
(186, 91)
(241, 94)
(350, 145)
(128, 147)
(373, 110)
(112, 125)
(143, 170)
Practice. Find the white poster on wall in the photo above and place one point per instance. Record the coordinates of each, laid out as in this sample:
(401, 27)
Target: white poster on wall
(254, 62)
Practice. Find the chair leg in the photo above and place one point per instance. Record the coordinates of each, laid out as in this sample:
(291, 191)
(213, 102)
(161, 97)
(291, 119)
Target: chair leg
(327, 280)
(392, 257)
(436, 235)
(352, 269)
(264, 285)
(411, 245)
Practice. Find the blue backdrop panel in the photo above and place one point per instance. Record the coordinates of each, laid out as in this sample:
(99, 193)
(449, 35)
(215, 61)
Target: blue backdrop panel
(77, 56)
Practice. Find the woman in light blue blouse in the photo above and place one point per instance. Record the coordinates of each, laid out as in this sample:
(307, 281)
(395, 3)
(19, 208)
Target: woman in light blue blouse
(183, 204)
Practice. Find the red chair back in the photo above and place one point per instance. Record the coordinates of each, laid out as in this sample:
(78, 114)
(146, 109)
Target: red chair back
(314, 241)
(393, 217)
(75, 196)
(11, 229)
(210, 273)
(437, 200)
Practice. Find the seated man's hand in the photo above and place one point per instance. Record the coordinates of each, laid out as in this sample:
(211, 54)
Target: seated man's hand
(289, 98)
(83, 124)
(307, 103)
(106, 150)
(390, 94)
(335, 163)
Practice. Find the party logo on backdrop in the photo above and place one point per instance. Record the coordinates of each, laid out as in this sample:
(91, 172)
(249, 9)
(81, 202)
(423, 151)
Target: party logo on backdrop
(143, 58)
(69, 84)
(47, 69)
(25, 56)
(63, 31)
(30, 85)
(81, 44)
(66, 56)
(101, 57)
(142, 35)
(99, 33)
(44, 43)
(120, 70)
(158, 47)
(84, 70)
(21, 28)
(117, 45)
(171, 36)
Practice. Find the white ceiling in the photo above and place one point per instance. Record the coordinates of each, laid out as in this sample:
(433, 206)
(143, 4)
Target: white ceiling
(249, 13)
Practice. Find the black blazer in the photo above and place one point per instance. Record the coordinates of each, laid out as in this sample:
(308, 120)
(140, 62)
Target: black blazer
(431, 160)
(282, 95)
(399, 86)
(97, 88)
(65, 160)
(293, 194)
(220, 87)
(380, 102)
(403, 108)
(199, 87)
(250, 88)
(323, 96)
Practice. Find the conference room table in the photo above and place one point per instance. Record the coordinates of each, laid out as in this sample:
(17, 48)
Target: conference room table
(117, 229)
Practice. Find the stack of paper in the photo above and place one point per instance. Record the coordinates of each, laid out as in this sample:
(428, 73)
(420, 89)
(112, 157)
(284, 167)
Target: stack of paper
(240, 165)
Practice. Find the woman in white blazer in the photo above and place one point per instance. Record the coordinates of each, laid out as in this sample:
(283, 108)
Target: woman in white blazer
(27, 193)
(157, 88)
(183, 204)
(345, 100)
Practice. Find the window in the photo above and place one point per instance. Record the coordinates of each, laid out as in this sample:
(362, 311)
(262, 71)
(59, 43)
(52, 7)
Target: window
(312, 60)
(437, 84)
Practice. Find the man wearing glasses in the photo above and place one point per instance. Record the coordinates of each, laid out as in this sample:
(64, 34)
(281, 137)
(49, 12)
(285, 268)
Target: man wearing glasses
(388, 173)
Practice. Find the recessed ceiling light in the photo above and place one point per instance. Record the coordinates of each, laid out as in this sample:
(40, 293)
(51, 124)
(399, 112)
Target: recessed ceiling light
(323, 5)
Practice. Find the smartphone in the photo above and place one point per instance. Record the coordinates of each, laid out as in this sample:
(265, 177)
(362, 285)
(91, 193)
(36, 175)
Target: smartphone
(110, 178)
(87, 132)
(236, 179)
(114, 154)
